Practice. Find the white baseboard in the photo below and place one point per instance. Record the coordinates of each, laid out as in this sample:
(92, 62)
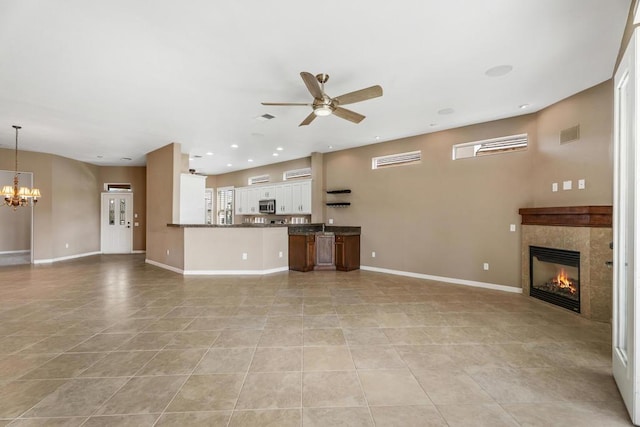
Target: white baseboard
(165, 266)
(26, 251)
(65, 258)
(234, 272)
(216, 272)
(445, 279)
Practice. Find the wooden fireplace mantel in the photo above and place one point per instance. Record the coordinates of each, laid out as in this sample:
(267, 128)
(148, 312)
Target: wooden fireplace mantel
(568, 216)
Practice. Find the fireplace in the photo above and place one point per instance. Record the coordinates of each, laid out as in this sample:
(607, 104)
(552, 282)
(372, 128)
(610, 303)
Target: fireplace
(554, 276)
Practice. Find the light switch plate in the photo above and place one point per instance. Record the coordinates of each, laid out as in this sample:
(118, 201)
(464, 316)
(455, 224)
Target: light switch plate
(330, 220)
(554, 187)
(581, 184)
(566, 185)
(512, 227)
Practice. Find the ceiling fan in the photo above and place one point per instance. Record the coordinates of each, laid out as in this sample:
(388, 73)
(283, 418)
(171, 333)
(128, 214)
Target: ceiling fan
(324, 105)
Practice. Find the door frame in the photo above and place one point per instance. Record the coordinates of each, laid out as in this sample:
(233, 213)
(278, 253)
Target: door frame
(626, 230)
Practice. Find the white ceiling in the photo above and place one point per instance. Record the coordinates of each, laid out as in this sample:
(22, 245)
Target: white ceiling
(120, 78)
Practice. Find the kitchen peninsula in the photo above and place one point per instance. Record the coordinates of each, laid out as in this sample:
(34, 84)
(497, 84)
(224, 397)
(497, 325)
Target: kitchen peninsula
(254, 249)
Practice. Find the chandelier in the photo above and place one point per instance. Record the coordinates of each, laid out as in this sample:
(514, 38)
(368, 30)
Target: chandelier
(14, 195)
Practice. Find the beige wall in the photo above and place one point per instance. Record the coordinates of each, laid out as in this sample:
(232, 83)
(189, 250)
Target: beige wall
(589, 158)
(137, 177)
(16, 223)
(446, 218)
(241, 178)
(163, 182)
(75, 210)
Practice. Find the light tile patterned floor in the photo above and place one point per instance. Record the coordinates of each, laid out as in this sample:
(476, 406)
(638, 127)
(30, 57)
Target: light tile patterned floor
(109, 340)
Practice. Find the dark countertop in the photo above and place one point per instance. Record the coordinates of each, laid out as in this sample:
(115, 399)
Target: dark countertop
(304, 229)
(294, 229)
(228, 226)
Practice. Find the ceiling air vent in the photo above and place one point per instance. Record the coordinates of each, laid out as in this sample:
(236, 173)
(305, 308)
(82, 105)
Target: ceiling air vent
(400, 159)
(570, 134)
(265, 117)
(296, 173)
(505, 144)
(258, 179)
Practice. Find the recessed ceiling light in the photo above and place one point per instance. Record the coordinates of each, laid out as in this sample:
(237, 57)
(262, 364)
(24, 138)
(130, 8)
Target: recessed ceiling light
(523, 106)
(446, 111)
(250, 160)
(190, 158)
(275, 154)
(229, 165)
(331, 146)
(433, 124)
(125, 158)
(209, 153)
(499, 70)
(234, 145)
(279, 148)
(197, 156)
(377, 138)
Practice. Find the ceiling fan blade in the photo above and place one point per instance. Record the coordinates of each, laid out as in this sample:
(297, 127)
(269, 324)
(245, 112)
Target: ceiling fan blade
(308, 119)
(359, 95)
(286, 103)
(352, 116)
(312, 84)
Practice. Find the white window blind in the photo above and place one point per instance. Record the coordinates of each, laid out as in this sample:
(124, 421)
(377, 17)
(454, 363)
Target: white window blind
(505, 144)
(400, 159)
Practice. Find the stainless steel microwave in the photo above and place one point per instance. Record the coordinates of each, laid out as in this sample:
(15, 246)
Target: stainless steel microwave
(267, 206)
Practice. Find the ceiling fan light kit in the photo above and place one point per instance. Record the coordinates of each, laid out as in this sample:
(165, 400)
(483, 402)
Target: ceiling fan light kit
(324, 105)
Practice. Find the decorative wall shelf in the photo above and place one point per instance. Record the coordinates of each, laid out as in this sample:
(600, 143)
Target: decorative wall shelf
(338, 191)
(338, 204)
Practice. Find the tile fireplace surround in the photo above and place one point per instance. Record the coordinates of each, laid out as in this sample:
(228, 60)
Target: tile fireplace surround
(585, 229)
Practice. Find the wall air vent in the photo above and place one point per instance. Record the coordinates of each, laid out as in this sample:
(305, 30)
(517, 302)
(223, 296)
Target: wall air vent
(505, 144)
(296, 173)
(400, 159)
(570, 134)
(258, 179)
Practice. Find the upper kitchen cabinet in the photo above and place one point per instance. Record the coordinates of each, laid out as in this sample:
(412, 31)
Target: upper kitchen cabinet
(284, 201)
(301, 197)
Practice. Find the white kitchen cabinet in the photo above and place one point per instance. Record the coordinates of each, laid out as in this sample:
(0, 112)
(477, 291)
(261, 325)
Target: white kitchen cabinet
(192, 199)
(291, 198)
(241, 201)
(284, 202)
(301, 197)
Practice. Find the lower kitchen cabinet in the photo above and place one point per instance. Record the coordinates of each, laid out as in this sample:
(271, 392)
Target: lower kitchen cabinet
(302, 252)
(347, 252)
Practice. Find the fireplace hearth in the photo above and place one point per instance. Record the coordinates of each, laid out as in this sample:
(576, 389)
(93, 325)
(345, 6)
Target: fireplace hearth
(554, 275)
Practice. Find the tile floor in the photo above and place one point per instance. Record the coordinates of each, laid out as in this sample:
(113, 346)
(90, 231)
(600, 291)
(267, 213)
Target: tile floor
(109, 340)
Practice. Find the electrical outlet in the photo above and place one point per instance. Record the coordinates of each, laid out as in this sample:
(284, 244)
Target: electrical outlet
(330, 220)
(512, 227)
(554, 187)
(136, 224)
(485, 266)
(373, 254)
(244, 256)
(280, 254)
(581, 184)
(66, 245)
(167, 251)
(567, 185)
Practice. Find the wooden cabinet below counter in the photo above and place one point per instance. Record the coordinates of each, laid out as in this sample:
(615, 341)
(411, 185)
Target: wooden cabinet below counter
(302, 251)
(347, 252)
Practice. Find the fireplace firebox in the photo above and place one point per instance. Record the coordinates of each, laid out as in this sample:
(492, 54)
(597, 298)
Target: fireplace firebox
(555, 276)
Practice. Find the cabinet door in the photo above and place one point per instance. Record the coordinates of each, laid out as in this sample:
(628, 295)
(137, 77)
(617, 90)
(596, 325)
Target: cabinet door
(284, 202)
(253, 195)
(301, 197)
(267, 192)
(241, 201)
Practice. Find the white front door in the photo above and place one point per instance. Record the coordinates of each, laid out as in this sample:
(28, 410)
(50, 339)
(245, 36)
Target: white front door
(116, 232)
(626, 226)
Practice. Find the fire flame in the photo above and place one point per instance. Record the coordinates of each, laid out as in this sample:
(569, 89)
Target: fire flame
(564, 282)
